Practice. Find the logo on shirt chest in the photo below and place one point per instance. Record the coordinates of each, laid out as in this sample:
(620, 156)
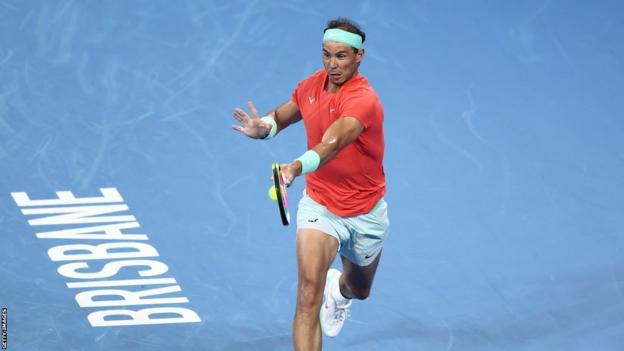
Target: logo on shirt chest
(311, 99)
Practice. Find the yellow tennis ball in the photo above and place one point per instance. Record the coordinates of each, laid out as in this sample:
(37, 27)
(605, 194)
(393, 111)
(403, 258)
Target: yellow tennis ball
(272, 193)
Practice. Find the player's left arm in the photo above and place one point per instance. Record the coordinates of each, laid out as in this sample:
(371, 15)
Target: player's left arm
(341, 133)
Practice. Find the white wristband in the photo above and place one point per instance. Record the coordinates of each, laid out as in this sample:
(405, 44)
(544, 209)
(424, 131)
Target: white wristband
(273, 130)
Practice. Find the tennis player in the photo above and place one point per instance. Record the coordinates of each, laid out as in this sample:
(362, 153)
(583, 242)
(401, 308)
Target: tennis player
(342, 209)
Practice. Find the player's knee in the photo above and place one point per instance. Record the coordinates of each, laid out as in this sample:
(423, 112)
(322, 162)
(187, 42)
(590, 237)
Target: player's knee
(355, 291)
(361, 294)
(309, 295)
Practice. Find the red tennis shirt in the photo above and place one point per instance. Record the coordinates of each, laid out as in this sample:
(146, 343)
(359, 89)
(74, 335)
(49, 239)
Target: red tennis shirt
(354, 180)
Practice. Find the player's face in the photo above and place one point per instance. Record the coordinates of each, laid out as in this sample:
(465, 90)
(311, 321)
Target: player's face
(340, 61)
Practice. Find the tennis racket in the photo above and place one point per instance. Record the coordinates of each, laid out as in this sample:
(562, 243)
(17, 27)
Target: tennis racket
(280, 191)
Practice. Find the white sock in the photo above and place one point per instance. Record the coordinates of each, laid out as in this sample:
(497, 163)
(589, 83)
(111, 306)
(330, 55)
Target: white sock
(337, 295)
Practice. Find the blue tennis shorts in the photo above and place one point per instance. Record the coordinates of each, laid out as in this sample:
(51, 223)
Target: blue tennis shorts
(360, 238)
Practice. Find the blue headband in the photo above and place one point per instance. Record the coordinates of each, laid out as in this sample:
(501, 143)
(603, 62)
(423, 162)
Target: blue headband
(342, 36)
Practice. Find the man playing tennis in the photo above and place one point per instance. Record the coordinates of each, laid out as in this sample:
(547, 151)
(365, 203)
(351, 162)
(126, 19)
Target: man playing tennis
(342, 209)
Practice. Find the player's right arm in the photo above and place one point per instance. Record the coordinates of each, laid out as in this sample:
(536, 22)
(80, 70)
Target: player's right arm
(258, 128)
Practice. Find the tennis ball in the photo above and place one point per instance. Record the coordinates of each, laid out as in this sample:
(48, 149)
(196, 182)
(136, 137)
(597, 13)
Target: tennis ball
(272, 193)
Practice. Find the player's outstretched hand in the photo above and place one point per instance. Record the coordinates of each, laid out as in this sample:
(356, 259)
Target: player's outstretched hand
(253, 126)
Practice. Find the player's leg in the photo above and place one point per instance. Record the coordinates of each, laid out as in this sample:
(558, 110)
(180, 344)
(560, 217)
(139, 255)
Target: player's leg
(315, 253)
(361, 258)
(360, 255)
(356, 281)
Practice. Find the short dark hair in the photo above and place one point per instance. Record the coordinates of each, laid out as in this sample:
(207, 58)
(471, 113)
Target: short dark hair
(346, 24)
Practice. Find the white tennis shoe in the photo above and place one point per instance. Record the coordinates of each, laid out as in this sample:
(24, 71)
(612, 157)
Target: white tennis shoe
(332, 315)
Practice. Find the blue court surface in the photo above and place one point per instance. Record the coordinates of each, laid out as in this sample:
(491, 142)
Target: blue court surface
(504, 163)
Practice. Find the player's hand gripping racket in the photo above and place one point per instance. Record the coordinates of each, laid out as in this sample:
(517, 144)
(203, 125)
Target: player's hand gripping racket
(280, 191)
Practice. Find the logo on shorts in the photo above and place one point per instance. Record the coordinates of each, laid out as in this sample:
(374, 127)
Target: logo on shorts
(368, 256)
(313, 220)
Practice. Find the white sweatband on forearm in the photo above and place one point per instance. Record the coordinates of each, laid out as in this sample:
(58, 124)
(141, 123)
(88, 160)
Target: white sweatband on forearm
(310, 161)
(273, 130)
